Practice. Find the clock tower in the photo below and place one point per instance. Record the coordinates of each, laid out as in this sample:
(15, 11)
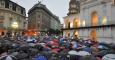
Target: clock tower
(74, 7)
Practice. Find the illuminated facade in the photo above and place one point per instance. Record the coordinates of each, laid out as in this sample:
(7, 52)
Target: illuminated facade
(91, 19)
(12, 16)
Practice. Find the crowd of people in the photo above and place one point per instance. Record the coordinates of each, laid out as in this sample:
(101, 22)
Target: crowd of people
(54, 48)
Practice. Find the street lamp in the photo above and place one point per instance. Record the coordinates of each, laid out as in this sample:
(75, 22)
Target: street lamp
(14, 25)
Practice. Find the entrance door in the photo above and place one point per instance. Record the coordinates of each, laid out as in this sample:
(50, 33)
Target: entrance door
(67, 33)
(93, 35)
(76, 34)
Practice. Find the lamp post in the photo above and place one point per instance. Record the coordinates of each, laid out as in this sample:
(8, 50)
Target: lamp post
(15, 25)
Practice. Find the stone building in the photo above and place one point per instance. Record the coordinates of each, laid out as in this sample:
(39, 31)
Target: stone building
(11, 13)
(55, 23)
(91, 19)
(40, 18)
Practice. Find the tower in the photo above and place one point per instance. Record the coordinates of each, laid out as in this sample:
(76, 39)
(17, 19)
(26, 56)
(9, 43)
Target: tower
(74, 7)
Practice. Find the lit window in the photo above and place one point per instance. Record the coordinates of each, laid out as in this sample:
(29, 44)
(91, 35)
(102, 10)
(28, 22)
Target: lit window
(79, 23)
(83, 23)
(71, 25)
(104, 20)
(95, 20)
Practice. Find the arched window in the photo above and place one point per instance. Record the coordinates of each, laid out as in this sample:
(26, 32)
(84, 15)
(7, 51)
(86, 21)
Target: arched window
(77, 23)
(94, 19)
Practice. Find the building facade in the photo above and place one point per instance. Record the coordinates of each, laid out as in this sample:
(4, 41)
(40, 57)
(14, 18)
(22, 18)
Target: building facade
(40, 18)
(95, 20)
(12, 16)
(55, 23)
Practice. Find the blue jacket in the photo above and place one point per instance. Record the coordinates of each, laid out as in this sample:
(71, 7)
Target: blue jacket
(41, 58)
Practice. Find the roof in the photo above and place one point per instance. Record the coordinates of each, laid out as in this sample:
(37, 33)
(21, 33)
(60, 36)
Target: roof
(42, 6)
(16, 4)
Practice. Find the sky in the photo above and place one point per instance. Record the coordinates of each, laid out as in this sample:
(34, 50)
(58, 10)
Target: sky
(57, 7)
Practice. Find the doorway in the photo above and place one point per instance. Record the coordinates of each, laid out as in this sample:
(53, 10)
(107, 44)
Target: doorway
(93, 35)
(94, 19)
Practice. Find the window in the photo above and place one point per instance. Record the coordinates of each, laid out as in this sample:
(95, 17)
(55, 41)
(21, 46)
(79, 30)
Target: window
(11, 18)
(14, 7)
(22, 11)
(24, 24)
(83, 23)
(10, 6)
(18, 9)
(1, 17)
(94, 18)
(2, 4)
(6, 4)
(77, 23)
(104, 22)
(38, 25)
(1, 21)
(73, 6)
(1, 25)
(73, 11)
(63, 25)
(71, 25)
